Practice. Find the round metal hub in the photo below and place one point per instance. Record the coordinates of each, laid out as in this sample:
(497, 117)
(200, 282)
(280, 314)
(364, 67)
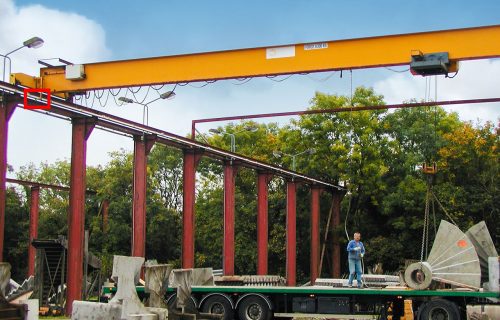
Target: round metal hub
(439, 313)
(254, 312)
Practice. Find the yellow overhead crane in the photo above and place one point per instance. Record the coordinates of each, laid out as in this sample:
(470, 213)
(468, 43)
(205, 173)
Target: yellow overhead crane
(427, 53)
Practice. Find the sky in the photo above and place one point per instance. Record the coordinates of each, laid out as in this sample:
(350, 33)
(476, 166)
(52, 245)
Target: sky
(92, 31)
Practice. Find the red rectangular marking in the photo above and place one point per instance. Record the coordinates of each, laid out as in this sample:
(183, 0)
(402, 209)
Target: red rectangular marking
(42, 106)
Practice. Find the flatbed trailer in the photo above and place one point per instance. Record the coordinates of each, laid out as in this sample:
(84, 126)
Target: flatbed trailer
(264, 303)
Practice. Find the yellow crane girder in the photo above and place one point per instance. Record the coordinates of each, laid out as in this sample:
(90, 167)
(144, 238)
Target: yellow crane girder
(391, 50)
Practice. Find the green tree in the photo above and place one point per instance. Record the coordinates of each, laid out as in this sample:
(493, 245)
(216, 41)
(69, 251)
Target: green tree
(54, 204)
(469, 162)
(349, 148)
(16, 233)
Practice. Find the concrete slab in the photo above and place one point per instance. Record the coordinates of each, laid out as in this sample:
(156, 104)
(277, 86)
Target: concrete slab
(157, 283)
(126, 271)
(96, 311)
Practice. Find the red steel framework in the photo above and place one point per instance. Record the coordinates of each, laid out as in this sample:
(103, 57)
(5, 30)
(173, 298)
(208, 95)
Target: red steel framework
(262, 231)
(83, 122)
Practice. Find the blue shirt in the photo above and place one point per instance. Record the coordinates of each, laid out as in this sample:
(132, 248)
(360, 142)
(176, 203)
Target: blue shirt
(355, 254)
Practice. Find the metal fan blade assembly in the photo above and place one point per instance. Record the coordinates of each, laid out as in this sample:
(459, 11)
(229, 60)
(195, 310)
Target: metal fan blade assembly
(485, 248)
(453, 260)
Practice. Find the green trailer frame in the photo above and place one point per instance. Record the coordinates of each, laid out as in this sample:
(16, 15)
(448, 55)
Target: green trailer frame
(264, 303)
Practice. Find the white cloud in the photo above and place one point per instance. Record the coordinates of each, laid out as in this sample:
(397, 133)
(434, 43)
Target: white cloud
(475, 79)
(67, 35)
(70, 36)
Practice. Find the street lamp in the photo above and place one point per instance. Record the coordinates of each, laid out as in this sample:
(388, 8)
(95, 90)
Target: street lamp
(278, 154)
(145, 112)
(35, 42)
(249, 128)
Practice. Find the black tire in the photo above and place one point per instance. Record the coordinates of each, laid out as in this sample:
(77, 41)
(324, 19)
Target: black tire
(218, 304)
(254, 308)
(172, 303)
(438, 309)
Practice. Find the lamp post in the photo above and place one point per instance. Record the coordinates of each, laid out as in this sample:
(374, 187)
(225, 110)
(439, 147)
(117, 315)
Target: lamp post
(278, 154)
(35, 42)
(249, 128)
(166, 96)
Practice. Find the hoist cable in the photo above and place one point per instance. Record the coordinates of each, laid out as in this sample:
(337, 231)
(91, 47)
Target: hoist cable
(425, 228)
(351, 88)
(442, 208)
(434, 216)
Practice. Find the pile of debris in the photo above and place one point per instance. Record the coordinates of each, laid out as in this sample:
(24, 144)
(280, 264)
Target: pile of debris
(14, 302)
(369, 280)
(250, 281)
(126, 304)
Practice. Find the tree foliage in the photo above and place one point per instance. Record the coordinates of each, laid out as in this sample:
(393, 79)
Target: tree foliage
(375, 154)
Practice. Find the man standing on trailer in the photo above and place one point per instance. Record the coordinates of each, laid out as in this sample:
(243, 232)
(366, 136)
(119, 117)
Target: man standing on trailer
(356, 251)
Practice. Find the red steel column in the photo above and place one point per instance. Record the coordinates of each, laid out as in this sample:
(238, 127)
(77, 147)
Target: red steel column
(7, 109)
(228, 251)
(76, 219)
(337, 199)
(315, 193)
(142, 146)
(262, 221)
(191, 159)
(291, 233)
(34, 208)
(105, 212)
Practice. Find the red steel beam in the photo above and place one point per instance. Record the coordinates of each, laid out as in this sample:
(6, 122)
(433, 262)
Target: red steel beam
(191, 159)
(81, 130)
(139, 200)
(229, 189)
(34, 210)
(291, 234)
(108, 122)
(263, 180)
(142, 147)
(315, 193)
(44, 185)
(105, 215)
(342, 109)
(6, 111)
(337, 199)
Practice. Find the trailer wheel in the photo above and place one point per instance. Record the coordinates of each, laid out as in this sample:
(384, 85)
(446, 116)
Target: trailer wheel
(438, 309)
(172, 303)
(254, 308)
(218, 304)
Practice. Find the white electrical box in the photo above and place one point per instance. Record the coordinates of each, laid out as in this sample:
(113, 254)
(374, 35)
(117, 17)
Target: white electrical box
(75, 72)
